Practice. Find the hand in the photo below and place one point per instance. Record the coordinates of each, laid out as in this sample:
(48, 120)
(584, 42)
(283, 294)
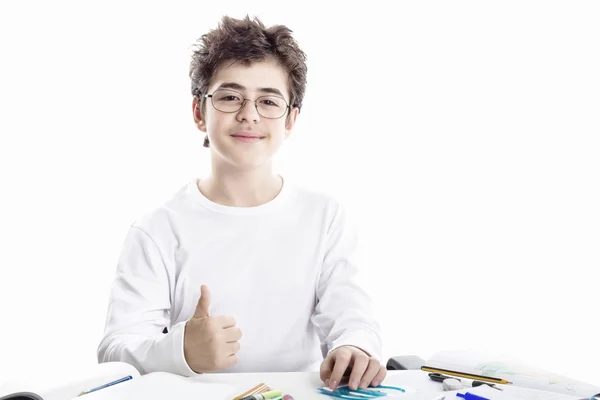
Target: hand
(210, 343)
(365, 370)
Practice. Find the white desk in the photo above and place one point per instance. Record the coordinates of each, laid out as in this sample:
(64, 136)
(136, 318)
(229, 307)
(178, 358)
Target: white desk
(303, 385)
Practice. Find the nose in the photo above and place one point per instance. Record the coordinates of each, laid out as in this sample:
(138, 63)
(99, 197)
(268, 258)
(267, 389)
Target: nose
(248, 112)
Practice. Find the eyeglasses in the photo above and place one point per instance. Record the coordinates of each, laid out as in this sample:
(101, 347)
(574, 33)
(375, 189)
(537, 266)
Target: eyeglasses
(230, 101)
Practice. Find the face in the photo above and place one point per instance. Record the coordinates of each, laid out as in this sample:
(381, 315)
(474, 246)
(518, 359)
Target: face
(245, 138)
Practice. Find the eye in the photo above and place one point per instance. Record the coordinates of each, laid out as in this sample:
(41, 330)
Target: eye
(227, 96)
(271, 101)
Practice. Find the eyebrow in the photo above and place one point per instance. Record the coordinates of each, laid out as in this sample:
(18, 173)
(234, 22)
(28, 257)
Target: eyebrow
(237, 86)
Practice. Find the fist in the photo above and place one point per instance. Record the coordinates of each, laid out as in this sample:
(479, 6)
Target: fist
(210, 343)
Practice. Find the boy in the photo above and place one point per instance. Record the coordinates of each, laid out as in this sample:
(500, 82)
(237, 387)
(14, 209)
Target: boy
(242, 250)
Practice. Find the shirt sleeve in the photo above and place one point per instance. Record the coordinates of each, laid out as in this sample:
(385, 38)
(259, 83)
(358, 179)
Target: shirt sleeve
(343, 313)
(138, 311)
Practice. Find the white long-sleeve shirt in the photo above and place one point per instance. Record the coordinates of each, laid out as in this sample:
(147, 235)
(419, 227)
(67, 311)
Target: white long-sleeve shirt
(284, 270)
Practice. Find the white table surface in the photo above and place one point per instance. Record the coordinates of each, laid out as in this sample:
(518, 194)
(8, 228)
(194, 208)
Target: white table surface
(303, 385)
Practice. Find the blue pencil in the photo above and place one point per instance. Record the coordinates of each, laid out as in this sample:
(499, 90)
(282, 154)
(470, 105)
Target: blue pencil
(107, 385)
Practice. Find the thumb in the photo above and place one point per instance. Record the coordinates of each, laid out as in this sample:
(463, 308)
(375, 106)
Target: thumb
(202, 309)
(326, 369)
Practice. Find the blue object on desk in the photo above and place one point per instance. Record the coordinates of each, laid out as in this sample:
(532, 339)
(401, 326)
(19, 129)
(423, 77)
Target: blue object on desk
(344, 392)
(471, 396)
(370, 393)
(389, 387)
(107, 385)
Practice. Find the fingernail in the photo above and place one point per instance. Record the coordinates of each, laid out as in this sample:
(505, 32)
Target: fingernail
(363, 385)
(375, 383)
(332, 385)
(354, 384)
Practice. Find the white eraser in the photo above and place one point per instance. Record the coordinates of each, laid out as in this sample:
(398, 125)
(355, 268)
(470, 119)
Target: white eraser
(452, 384)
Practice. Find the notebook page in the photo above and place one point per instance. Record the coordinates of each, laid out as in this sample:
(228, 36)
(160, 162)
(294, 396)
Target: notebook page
(162, 385)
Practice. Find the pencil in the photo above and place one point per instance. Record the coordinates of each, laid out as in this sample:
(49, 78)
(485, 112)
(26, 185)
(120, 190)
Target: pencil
(465, 375)
(260, 388)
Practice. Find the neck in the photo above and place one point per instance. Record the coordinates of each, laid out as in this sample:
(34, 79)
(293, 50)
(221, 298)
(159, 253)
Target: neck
(240, 188)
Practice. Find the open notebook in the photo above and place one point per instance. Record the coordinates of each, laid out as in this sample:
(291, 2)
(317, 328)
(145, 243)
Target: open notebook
(71, 385)
(514, 371)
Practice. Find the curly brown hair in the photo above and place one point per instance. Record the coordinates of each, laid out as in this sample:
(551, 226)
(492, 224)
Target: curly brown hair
(247, 40)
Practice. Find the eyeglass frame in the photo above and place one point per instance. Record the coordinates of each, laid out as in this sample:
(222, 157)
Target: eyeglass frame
(244, 100)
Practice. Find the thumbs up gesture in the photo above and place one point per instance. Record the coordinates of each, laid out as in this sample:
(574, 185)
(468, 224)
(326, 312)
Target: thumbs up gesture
(210, 343)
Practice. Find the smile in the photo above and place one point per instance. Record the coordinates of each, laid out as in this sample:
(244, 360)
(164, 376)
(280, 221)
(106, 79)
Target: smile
(243, 138)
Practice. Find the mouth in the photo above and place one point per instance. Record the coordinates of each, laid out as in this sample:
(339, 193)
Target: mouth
(247, 137)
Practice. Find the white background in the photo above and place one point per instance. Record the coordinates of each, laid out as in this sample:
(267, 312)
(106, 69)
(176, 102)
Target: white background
(463, 136)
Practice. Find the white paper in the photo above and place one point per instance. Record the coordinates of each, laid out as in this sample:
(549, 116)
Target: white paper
(512, 370)
(65, 384)
(512, 393)
(161, 386)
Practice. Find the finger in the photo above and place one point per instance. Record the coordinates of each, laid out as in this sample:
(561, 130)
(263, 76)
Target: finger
(232, 334)
(341, 362)
(370, 373)
(224, 321)
(326, 369)
(232, 348)
(359, 366)
(380, 376)
(202, 309)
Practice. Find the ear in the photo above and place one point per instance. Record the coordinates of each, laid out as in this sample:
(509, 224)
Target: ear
(291, 121)
(199, 119)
